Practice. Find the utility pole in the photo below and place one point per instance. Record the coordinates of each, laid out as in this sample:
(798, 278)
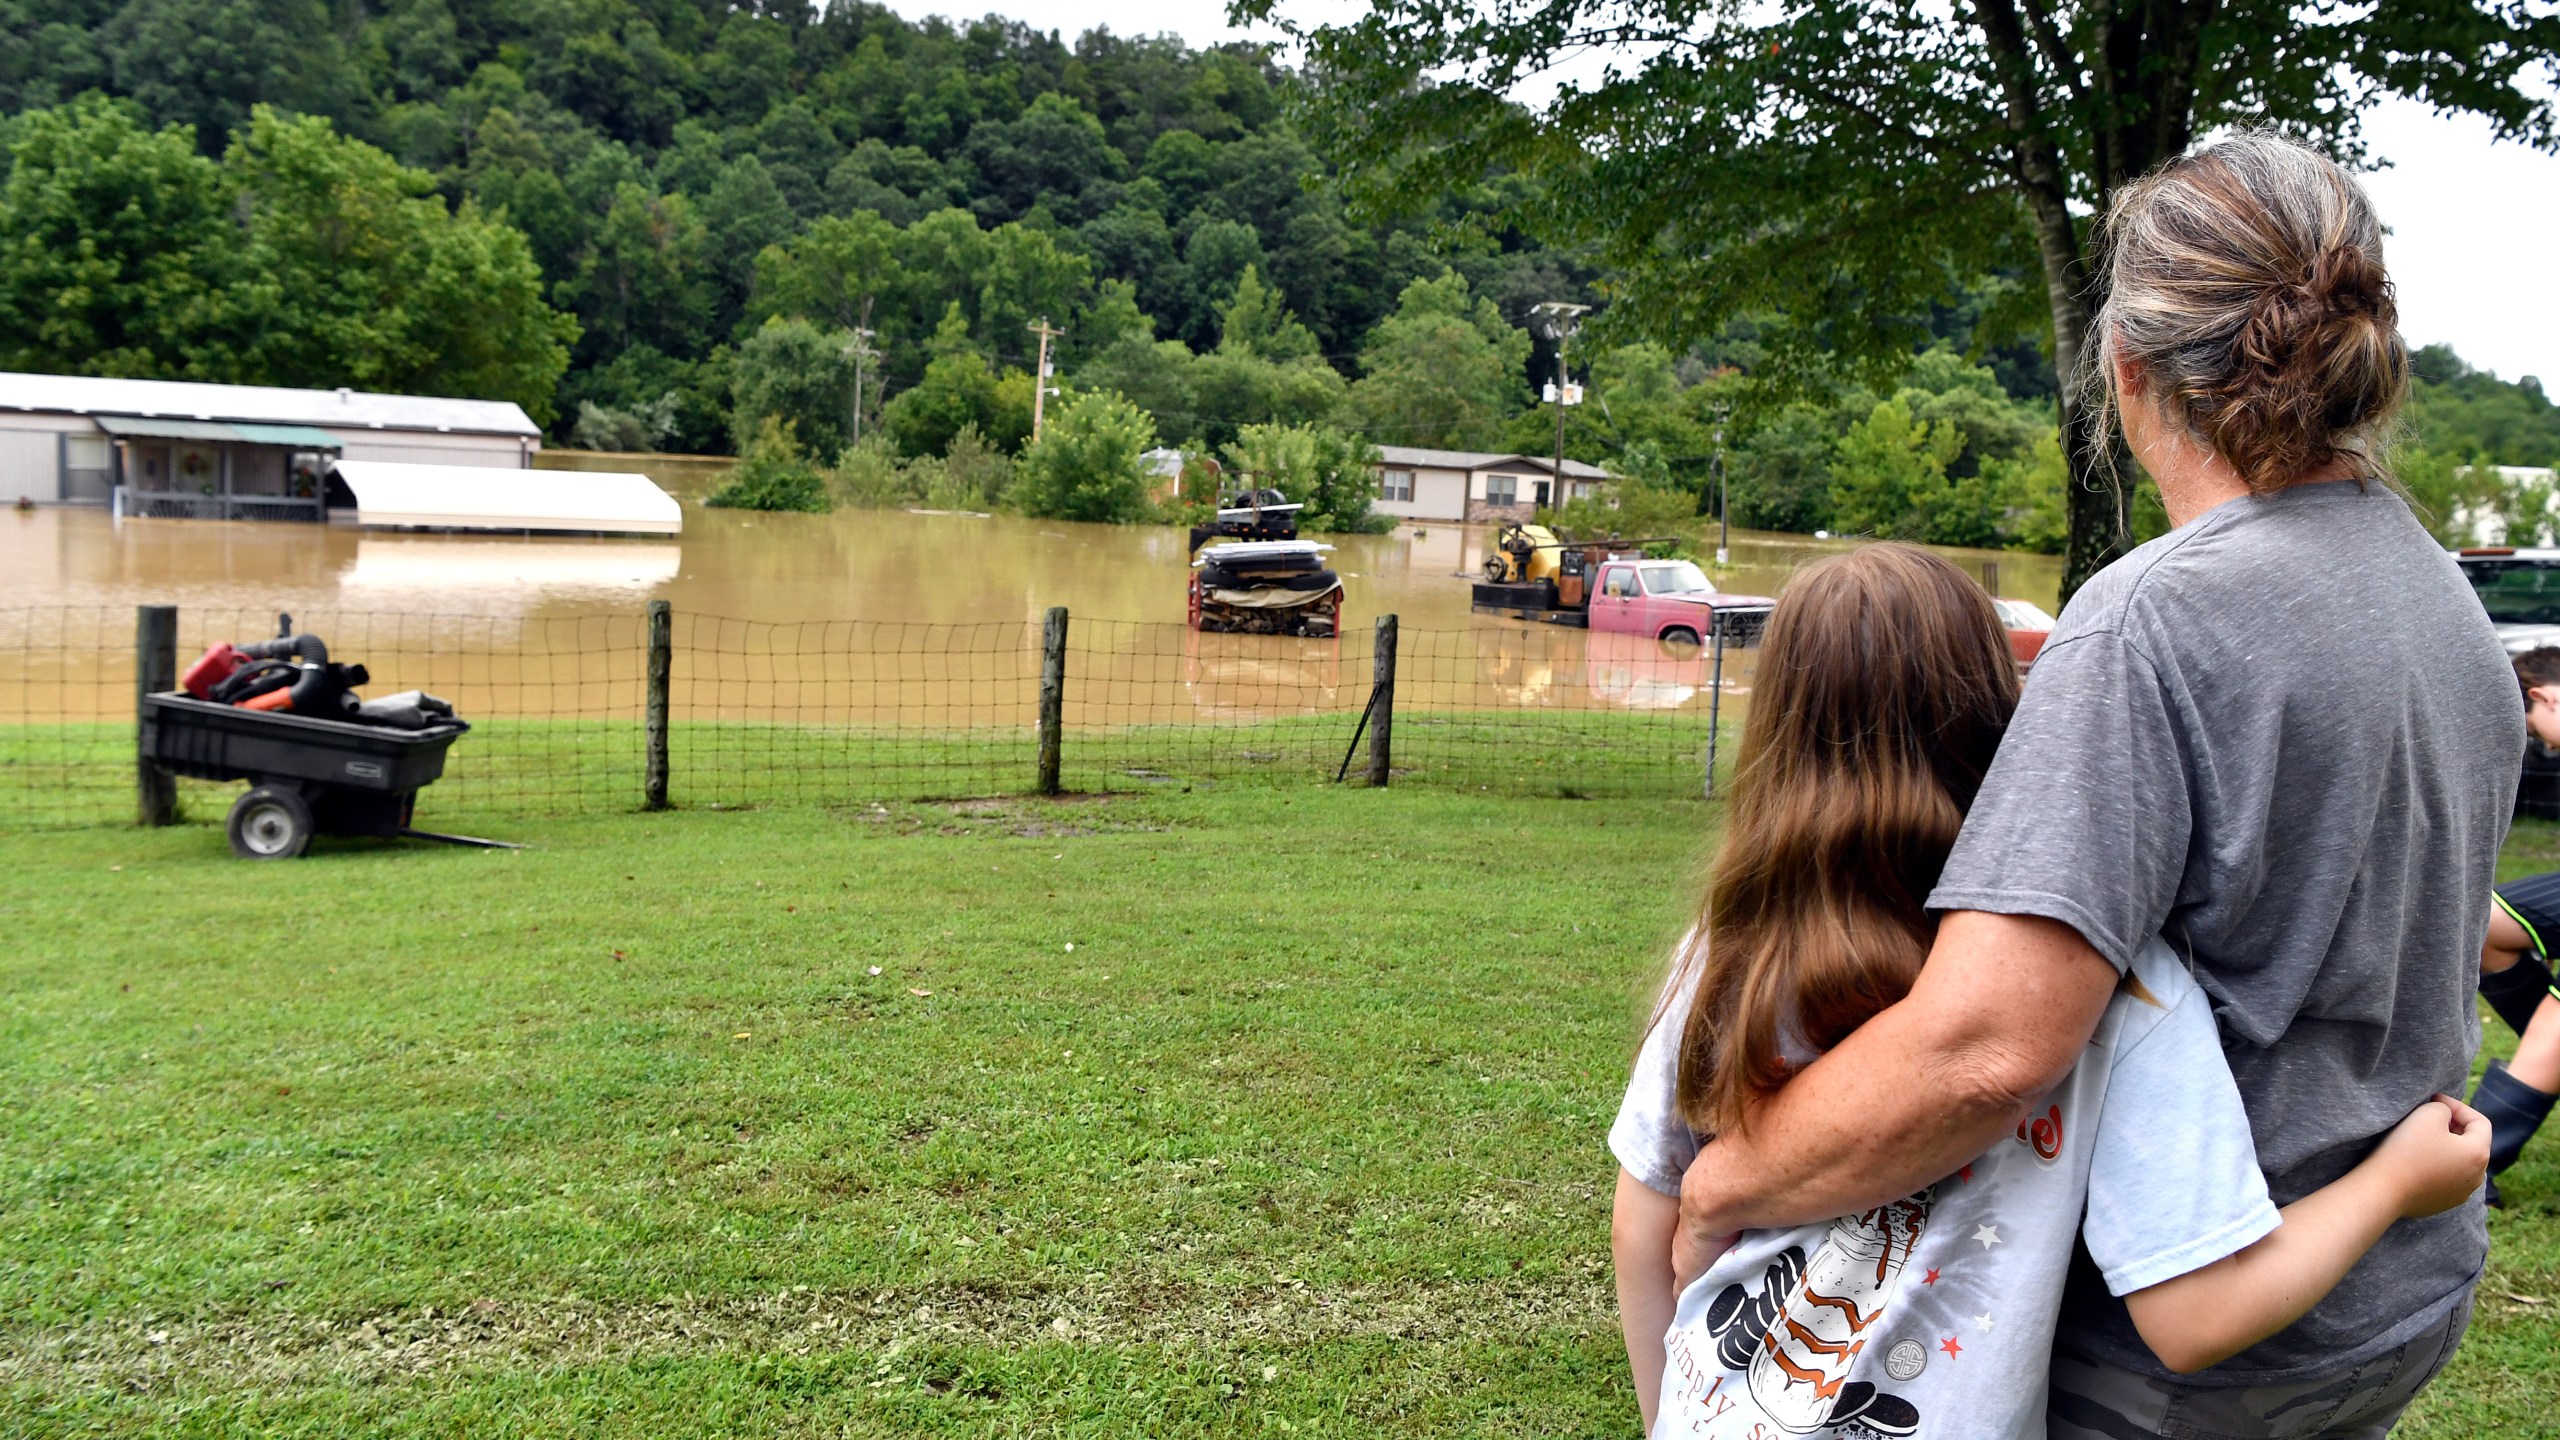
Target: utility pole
(1724, 524)
(1040, 382)
(861, 351)
(1555, 490)
(1558, 321)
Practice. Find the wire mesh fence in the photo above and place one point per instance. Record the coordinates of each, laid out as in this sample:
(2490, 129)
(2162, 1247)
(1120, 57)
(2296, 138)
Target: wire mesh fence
(66, 716)
(842, 712)
(838, 711)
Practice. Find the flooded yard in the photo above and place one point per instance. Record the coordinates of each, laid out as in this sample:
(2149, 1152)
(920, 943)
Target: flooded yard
(859, 617)
(880, 565)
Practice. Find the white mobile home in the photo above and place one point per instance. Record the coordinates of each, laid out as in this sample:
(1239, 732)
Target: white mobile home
(1476, 486)
(75, 439)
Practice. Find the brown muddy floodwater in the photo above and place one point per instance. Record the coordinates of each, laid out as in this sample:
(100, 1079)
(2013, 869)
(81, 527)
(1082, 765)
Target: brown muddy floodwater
(487, 593)
(883, 565)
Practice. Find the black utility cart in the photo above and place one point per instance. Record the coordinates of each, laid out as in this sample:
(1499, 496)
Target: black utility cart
(306, 776)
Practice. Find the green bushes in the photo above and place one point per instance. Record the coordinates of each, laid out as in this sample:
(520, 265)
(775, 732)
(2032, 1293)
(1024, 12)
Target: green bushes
(774, 475)
(1633, 509)
(792, 370)
(970, 475)
(871, 476)
(960, 390)
(1089, 463)
(1945, 457)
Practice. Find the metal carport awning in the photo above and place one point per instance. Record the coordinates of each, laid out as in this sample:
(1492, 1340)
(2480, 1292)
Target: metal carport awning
(291, 437)
(133, 427)
(153, 427)
(477, 497)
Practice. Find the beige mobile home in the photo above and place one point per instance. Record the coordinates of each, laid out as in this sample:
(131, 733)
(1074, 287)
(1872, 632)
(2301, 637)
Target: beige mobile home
(74, 439)
(1476, 487)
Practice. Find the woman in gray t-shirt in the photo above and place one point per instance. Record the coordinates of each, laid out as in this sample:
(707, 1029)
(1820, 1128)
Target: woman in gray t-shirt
(1884, 687)
(2284, 736)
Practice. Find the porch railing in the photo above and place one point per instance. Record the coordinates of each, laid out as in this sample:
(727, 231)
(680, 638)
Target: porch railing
(183, 505)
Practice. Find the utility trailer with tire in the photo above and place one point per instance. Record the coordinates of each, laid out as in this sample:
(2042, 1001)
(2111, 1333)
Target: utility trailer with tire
(307, 776)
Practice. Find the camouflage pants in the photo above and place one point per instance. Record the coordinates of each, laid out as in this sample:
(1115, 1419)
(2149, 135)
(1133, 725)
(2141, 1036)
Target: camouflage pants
(2090, 1401)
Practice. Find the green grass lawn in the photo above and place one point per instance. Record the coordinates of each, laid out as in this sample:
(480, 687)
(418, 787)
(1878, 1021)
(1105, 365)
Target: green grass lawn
(622, 1135)
(71, 776)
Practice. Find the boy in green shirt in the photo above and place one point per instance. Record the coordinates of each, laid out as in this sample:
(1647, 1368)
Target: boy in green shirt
(2515, 971)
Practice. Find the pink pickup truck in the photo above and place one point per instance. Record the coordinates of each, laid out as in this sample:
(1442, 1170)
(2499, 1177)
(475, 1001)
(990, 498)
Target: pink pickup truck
(1665, 599)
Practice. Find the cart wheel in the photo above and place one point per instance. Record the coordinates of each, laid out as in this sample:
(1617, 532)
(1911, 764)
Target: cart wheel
(269, 824)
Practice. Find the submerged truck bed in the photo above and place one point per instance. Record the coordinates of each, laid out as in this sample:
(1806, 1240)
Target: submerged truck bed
(1530, 600)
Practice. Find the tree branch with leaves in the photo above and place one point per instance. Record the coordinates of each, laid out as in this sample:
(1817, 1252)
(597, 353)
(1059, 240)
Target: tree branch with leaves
(1833, 167)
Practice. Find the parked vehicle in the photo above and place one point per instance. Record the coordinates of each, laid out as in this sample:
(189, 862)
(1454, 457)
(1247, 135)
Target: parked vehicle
(1531, 574)
(1670, 600)
(1265, 587)
(2520, 588)
(1251, 515)
(2027, 625)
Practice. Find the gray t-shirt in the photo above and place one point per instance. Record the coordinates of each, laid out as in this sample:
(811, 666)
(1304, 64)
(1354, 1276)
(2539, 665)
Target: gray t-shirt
(1935, 1314)
(2286, 736)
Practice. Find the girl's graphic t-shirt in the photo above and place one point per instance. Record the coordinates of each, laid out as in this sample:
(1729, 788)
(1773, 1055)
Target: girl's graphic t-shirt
(1934, 1316)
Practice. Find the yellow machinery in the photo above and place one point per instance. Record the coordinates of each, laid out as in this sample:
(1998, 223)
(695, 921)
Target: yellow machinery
(1523, 555)
(1531, 573)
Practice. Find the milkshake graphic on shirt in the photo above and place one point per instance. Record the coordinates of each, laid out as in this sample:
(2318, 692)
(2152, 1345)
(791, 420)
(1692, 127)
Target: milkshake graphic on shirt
(1933, 1317)
(1798, 1337)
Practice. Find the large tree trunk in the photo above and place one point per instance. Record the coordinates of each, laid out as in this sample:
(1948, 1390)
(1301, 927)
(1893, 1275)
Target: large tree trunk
(2096, 508)
(2099, 506)
(2098, 498)
(2144, 67)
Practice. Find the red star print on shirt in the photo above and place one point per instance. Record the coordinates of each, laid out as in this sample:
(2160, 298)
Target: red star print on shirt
(1951, 1347)
(1932, 1278)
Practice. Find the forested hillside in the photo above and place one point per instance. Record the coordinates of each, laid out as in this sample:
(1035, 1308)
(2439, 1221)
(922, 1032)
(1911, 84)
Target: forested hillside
(666, 223)
(651, 151)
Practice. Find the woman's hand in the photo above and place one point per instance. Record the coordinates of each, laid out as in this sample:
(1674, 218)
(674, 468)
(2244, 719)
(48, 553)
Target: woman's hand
(2437, 1156)
(1692, 1252)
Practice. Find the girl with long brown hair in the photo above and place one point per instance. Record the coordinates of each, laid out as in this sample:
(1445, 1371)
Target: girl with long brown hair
(1885, 684)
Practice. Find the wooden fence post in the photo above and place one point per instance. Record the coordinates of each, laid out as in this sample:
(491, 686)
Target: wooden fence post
(1053, 695)
(1382, 703)
(661, 672)
(155, 669)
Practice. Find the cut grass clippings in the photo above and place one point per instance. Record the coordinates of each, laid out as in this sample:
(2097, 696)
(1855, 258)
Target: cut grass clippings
(623, 1134)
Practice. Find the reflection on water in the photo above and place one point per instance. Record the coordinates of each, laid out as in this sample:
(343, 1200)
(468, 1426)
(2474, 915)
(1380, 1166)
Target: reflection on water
(904, 569)
(848, 565)
(1519, 666)
(393, 572)
(1242, 677)
(1638, 672)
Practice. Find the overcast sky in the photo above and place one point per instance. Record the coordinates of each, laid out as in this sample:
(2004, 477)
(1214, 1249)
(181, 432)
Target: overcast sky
(2475, 225)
